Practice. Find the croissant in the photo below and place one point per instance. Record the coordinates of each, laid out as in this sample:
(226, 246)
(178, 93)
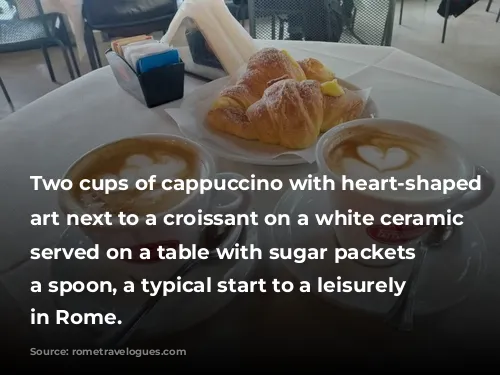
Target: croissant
(289, 114)
(228, 113)
(282, 101)
(267, 65)
(293, 114)
(341, 105)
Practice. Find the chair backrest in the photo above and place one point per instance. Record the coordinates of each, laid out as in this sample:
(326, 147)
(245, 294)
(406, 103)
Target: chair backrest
(8, 12)
(26, 8)
(319, 20)
(22, 21)
(110, 13)
(345, 21)
(369, 21)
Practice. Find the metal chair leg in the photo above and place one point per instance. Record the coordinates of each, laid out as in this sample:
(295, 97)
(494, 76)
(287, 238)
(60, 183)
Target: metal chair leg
(273, 25)
(401, 12)
(9, 101)
(96, 50)
(281, 34)
(90, 47)
(489, 5)
(68, 43)
(75, 61)
(66, 58)
(498, 17)
(48, 63)
(239, 15)
(446, 16)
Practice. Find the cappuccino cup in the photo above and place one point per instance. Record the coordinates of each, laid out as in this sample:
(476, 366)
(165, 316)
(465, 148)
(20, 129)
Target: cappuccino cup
(379, 150)
(123, 164)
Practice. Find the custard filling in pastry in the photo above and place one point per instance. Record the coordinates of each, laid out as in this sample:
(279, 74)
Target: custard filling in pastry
(224, 102)
(295, 65)
(332, 88)
(315, 70)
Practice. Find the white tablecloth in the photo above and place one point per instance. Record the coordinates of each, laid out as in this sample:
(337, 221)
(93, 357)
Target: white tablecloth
(45, 137)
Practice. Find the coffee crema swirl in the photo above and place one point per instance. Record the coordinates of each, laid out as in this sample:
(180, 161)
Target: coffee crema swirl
(130, 160)
(349, 146)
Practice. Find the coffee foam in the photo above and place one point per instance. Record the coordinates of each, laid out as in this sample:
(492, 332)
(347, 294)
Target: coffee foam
(381, 152)
(139, 166)
(132, 160)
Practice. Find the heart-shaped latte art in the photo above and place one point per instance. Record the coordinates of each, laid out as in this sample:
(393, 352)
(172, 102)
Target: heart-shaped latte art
(143, 167)
(393, 158)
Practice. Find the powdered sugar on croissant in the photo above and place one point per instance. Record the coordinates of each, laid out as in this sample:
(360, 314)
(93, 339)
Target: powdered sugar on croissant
(228, 113)
(289, 114)
(283, 102)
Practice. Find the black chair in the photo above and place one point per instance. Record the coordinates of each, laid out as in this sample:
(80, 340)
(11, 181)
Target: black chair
(239, 9)
(371, 23)
(264, 14)
(39, 30)
(4, 89)
(124, 18)
(323, 20)
(313, 20)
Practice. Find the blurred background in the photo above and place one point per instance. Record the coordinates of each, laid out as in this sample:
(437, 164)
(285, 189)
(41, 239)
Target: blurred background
(39, 47)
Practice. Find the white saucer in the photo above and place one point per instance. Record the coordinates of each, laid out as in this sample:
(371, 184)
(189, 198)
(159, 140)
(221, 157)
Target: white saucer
(448, 276)
(175, 312)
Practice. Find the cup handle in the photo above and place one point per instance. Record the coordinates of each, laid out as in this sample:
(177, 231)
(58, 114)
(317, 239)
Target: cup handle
(473, 199)
(240, 205)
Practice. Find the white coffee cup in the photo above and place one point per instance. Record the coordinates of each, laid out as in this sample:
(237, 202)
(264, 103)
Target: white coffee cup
(145, 236)
(369, 202)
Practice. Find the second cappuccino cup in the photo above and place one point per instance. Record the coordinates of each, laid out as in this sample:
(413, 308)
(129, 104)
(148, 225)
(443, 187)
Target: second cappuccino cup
(378, 149)
(167, 157)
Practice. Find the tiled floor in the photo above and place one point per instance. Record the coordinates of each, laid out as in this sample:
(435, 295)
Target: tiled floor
(472, 50)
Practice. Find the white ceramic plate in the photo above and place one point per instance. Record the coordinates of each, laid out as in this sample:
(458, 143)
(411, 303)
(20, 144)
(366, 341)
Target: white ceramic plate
(449, 273)
(220, 144)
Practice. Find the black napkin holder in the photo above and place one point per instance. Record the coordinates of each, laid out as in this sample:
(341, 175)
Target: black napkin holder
(152, 88)
(201, 53)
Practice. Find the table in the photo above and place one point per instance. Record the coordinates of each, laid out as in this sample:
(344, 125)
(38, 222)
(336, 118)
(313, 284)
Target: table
(45, 137)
